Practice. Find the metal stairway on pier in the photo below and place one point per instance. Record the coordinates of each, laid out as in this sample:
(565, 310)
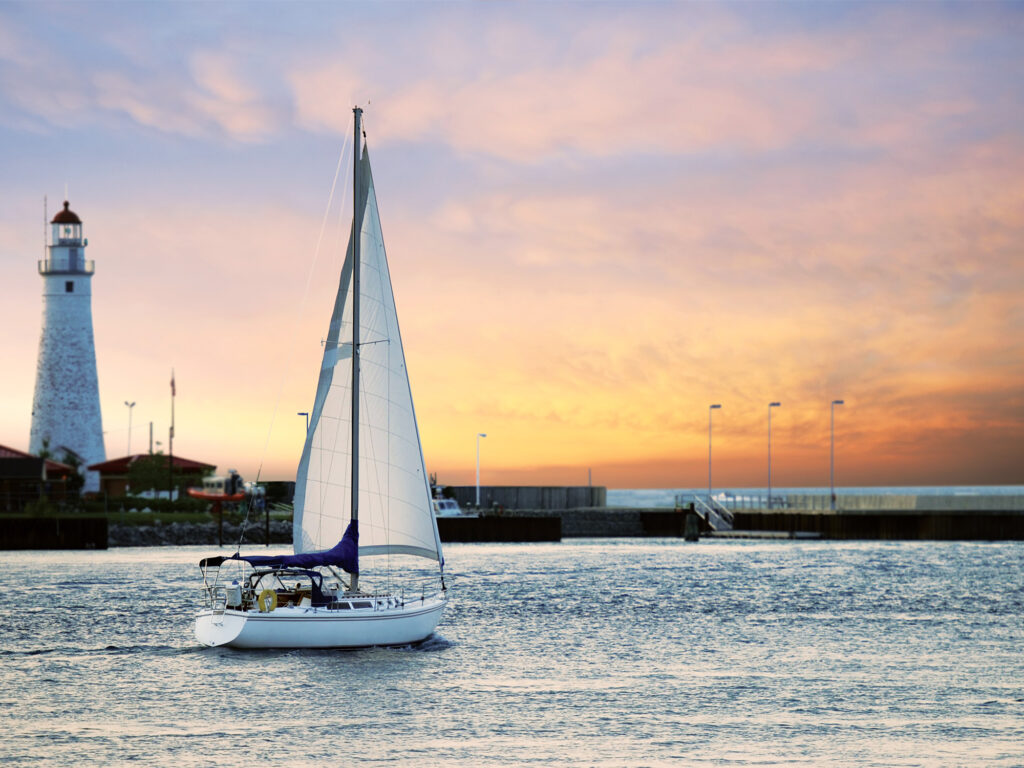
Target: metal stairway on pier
(713, 512)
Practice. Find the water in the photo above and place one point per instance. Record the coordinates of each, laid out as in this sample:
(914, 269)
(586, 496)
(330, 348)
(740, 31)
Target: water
(621, 652)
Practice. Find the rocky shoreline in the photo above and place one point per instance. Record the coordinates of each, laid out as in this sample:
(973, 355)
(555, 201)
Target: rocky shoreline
(186, 534)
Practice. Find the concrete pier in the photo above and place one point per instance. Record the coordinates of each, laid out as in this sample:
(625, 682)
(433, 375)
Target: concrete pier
(500, 528)
(891, 502)
(549, 497)
(53, 533)
(605, 522)
(977, 525)
(893, 525)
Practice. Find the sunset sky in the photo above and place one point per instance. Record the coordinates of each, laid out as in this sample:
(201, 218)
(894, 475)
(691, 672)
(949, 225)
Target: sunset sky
(600, 218)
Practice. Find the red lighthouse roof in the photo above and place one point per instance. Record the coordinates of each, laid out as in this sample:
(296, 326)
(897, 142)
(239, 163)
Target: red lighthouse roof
(66, 216)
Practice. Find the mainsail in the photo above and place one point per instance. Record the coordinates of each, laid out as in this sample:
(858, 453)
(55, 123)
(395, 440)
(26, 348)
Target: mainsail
(395, 514)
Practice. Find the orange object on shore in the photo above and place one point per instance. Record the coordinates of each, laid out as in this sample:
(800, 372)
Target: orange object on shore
(201, 493)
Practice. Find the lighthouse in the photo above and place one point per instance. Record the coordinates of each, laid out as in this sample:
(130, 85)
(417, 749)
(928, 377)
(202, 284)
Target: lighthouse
(66, 417)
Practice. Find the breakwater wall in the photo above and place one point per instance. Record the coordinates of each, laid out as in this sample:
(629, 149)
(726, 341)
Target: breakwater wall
(990, 525)
(539, 525)
(543, 497)
(604, 522)
(931, 503)
(53, 533)
(522, 526)
(187, 534)
(893, 525)
(545, 527)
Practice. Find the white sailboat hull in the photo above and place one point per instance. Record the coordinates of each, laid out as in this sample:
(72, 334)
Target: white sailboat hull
(291, 627)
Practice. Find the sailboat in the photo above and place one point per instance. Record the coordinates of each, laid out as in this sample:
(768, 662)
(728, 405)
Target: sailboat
(361, 470)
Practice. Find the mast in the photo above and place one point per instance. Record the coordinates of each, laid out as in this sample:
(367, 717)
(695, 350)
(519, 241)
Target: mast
(357, 227)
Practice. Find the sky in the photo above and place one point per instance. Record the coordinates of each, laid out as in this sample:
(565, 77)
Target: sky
(601, 218)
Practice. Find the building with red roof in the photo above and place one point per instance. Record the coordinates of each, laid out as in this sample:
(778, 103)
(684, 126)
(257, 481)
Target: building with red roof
(25, 478)
(114, 472)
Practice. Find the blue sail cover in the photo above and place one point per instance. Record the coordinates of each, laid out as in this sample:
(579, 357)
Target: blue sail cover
(344, 554)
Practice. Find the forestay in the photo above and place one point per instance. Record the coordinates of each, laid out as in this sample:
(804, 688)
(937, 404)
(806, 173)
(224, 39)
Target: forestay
(395, 515)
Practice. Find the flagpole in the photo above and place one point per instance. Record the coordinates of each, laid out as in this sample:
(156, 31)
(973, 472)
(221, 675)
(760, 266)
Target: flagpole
(170, 447)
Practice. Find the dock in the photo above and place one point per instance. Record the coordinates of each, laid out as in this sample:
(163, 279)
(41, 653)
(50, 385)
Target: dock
(551, 514)
(69, 532)
(889, 524)
(504, 528)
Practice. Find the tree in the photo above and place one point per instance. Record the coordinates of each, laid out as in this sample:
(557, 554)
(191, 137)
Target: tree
(76, 480)
(150, 472)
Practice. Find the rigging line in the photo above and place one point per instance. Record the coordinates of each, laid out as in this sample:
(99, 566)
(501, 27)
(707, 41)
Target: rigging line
(291, 351)
(323, 228)
(344, 387)
(343, 426)
(387, 513)
(339, 426)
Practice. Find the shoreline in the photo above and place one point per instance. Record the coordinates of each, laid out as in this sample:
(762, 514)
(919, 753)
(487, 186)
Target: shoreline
(194, 534)
(618, 522)
(536, 525)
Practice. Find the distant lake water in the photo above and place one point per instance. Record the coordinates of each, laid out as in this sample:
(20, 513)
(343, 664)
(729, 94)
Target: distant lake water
(624, 652)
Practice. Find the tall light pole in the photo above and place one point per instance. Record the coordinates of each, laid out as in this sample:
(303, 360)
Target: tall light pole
(832, 456)
(478, 436)
(130, 406)
(710, 409)
(770, 406)
(306, 414)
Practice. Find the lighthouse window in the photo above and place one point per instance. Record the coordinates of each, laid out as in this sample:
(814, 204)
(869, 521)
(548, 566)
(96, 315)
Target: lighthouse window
(69, 286)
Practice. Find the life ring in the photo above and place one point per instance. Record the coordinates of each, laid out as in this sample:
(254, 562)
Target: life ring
(267, 601)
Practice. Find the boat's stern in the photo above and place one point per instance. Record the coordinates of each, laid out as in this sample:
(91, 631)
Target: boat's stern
(219, 627)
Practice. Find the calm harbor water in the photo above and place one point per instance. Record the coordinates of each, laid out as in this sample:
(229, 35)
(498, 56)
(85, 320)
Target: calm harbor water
(584, 653)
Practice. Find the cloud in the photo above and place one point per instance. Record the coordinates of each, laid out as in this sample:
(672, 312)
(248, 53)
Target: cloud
(227, 100)
(99, 78)
(692, 81)
(598, 223)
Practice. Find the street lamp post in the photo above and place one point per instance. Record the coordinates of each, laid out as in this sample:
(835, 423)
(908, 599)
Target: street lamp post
(832, 456)
(478, 436)
(130, 406)
(710, 409)
(770, 406)
(306, 414)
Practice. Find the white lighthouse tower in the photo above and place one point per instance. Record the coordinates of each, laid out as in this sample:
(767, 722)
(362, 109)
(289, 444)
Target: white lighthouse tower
(66, 407)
